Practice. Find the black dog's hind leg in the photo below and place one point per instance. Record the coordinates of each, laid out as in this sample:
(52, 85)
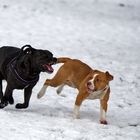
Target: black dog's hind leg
(27, 95)
(7, 97)
(1, 93)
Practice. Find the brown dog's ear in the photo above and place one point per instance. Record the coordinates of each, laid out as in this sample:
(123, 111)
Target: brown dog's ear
(109, 76)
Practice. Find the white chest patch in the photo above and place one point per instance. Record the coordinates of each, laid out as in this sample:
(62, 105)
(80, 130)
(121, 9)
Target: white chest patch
(96, 95)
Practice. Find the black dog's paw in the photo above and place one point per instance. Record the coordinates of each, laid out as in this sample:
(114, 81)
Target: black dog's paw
(21, 106)
(11, 100)
(2, 105)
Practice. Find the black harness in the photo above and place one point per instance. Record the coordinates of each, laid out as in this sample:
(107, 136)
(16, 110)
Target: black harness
(10, 63)
(17, 75)
(6, 62)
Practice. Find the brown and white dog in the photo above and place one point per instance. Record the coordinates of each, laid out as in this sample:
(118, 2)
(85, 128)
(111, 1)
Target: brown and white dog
(91, 84)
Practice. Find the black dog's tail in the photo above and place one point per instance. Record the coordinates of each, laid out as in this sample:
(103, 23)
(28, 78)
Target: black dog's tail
(27, 49)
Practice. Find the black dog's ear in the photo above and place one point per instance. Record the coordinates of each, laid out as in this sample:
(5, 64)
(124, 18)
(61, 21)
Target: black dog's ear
(27, 49)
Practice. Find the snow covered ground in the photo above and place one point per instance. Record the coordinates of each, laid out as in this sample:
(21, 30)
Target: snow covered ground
(104, 34)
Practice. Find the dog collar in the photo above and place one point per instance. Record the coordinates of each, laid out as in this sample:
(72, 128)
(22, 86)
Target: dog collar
(106, 88)
(17, 75)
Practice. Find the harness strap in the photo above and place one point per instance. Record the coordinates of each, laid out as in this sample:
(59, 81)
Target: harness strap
(6, 62)
(18, 77)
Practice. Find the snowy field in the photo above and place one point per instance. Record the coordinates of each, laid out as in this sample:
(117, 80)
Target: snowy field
(103, 33)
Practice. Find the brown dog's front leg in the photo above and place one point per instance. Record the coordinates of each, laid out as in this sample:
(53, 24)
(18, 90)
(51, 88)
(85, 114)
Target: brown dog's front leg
(79, 99)
(103, 109)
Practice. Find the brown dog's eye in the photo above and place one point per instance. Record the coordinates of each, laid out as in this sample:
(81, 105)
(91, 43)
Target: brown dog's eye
(90, 77)
(98, 80)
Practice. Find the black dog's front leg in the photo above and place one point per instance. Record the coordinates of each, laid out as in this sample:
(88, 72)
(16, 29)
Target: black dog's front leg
(7, 97)
(27, 95)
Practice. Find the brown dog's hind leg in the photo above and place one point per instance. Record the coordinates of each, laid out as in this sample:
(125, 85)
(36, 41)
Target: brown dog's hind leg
(58, 80)
(42, 92)
(60, 88)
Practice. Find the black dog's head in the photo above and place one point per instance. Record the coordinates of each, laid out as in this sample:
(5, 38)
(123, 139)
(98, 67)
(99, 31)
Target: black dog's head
(36, 60)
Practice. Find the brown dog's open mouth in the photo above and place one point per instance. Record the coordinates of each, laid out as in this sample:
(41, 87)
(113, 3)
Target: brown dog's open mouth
(48, 68)
(89, 88)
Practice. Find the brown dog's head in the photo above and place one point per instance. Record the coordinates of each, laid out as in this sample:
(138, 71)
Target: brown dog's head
(98, 80)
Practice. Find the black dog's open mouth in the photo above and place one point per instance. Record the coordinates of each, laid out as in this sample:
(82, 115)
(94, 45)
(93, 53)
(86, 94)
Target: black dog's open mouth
(48, 68)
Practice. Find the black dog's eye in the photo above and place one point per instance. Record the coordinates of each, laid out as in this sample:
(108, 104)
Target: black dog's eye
(46, 57)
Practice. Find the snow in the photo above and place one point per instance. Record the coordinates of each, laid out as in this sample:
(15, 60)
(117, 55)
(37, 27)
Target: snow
(102, 33)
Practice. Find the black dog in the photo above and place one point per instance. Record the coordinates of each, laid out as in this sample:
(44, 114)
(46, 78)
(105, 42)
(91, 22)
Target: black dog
(21, 69)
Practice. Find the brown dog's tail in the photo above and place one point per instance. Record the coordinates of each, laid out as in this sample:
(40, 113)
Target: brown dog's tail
(62, 59)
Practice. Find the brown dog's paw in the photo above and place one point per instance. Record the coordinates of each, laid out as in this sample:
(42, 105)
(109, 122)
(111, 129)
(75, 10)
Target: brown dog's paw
(103, 122)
